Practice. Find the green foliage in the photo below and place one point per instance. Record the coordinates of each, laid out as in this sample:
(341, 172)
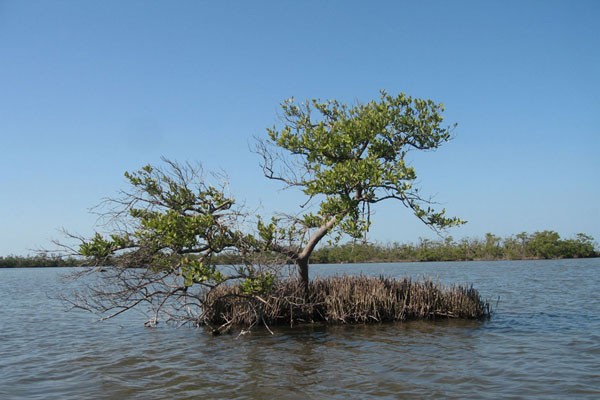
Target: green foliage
(267, 232)
(546, 244)
(257, 285)
(99, 247)
(354, 156)
(197, 272)
(174, 221)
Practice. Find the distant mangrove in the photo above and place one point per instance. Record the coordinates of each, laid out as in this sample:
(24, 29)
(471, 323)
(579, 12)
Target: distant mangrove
(523, 246)
(37, 261)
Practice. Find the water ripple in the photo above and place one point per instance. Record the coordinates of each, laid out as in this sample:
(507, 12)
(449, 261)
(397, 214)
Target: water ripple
(542, 343)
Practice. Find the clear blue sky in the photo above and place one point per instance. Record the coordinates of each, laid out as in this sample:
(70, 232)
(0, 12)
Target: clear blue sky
(90, 89)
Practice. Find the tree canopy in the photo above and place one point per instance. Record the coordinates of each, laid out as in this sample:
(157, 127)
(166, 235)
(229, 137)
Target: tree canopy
(167, 228)
(166, 231)
(348, 158)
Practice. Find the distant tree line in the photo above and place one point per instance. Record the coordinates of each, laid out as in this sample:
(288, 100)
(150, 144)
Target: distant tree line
(37, 261)
(539, 245)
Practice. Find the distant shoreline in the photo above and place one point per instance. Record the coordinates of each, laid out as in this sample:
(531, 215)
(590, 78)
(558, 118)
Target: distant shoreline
(353, 263)
(544, 245)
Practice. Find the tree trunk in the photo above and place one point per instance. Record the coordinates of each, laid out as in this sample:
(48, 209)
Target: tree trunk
(302, 259)
(303, 269)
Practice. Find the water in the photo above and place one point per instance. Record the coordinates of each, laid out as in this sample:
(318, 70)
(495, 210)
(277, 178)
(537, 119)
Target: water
(543, 342)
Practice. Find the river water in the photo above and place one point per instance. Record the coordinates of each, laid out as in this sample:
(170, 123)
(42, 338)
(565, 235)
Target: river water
(542, 342)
